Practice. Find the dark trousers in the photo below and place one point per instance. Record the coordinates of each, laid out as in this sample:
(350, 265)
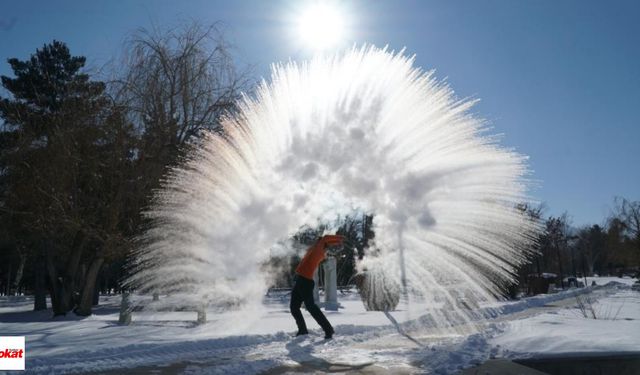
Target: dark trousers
(303, 292)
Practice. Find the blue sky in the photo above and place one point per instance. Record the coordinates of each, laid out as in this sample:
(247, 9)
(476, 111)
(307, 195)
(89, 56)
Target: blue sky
(560, 79)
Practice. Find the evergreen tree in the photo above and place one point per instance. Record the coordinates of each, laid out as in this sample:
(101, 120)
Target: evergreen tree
(65, 153)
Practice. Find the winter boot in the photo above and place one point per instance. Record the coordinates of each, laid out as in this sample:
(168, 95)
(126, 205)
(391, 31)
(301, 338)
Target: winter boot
(329, 334)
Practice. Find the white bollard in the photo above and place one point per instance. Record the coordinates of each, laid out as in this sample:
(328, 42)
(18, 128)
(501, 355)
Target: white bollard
(202, 315)
(125, 310)
(330, 284)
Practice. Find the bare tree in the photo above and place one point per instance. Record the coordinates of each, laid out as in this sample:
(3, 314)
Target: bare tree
(554, 241)
(591, 244)
(176, 83)
(179, 81)
(628, 214)
(535, 214)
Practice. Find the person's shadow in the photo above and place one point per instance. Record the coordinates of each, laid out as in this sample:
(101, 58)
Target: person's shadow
(302, 354)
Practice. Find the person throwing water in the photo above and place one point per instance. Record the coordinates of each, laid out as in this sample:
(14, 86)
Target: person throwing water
(303, 287)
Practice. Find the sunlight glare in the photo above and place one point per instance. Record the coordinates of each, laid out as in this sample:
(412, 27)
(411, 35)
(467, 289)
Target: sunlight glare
(321, 26)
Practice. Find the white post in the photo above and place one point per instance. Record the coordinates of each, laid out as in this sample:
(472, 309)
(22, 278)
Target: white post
(330, 284)
(202, 314)
(125, 310)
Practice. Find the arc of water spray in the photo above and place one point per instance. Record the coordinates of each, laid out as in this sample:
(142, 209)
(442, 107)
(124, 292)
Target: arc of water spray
(364, 130)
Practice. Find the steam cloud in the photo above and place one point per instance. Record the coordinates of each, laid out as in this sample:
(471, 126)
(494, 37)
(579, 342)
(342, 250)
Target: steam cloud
(365, 131)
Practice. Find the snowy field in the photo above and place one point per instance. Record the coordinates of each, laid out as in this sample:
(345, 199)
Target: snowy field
(171, 342)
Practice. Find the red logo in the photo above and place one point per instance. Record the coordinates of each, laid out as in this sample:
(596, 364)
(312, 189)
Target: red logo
(11, 353)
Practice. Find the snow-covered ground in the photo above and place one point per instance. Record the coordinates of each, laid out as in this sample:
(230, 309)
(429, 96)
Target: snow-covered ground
(615, 328)
(238, 343)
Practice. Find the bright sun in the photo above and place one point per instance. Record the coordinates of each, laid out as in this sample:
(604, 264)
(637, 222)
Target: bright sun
(321, 26)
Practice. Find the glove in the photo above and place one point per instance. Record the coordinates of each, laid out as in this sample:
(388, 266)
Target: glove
(332, 240)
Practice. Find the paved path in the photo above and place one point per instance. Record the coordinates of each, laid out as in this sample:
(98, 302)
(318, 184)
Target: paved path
(384, 351)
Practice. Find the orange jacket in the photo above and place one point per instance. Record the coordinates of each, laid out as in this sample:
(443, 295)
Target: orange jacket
(315, 254)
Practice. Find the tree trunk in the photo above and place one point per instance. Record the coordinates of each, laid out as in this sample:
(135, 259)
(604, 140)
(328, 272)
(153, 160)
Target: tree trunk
(8, 288)
(84, 308)
(18, 279)
(560, 266)
(40, 300)
(62, 286)
(96, 295)
(70, 273)
(56, 286)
